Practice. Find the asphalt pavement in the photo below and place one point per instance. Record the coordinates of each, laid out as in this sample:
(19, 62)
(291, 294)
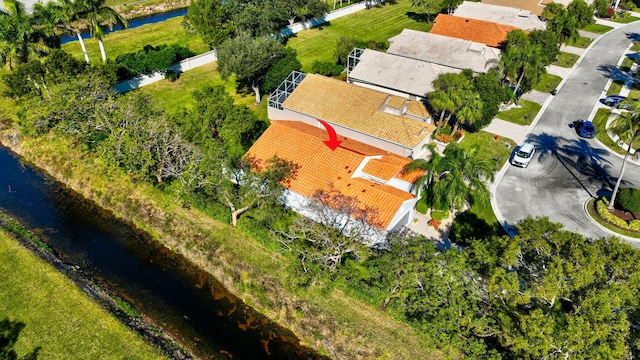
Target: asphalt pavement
(568, 170)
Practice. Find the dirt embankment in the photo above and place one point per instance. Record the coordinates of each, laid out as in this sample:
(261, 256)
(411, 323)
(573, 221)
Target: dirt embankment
(140, 9)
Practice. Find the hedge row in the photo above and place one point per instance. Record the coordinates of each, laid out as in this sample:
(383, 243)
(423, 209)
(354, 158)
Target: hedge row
(603, 211)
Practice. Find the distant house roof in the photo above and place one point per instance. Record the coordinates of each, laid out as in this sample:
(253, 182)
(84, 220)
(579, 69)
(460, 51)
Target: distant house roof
(443, 50)
(535, 6)
(410, 76)
(520, 18)
(485, 32)
(321, 169)
(375, 113)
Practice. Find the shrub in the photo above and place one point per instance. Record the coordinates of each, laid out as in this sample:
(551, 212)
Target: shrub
(326, 68)
(601, 209)
(458, 134)
(634, 225)
(171, 75)
(445, 138)
(439, 214)
(435, 223)
(150, 59)
(421, 206)
(629, 200)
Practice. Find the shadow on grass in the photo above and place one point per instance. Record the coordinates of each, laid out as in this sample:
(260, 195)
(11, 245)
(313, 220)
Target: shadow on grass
(468, 226)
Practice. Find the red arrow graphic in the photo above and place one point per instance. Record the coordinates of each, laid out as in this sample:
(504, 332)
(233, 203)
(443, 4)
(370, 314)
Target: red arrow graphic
(333, 141)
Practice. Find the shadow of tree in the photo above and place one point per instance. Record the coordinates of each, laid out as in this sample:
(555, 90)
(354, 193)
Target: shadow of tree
(633, 36)
(578, 157)
(420, 17)
(9, 332)
(468, 226)
(614, 73)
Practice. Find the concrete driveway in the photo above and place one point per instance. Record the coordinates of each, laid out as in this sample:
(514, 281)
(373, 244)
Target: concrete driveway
(568, 170)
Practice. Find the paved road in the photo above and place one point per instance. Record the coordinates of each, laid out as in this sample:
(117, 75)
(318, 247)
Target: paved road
(568, 170)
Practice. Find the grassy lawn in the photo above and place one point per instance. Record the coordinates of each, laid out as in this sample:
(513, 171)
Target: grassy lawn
(58, 316)
(548, 83)
(378, 24)
(636, 47)
(132, 40)
(477, 222)
(489, 149)
(581, 42)
(567, 60)
(522, 115)
(626, 20)
(634, 94)
(597, 28)
(615, 88)
(173, 95)
(626, 64)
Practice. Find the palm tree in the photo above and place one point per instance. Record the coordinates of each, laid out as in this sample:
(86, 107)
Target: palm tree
(97, 15)
(454, 178)
(441, 101)
(446, 97)
(565, 26)
(65, 16)
(19, 40)
(468, 107)
(521, 61)
(627, 127)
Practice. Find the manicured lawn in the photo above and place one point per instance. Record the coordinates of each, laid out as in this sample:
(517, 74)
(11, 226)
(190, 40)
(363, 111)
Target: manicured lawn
(490, 149)
(626, 20)
(58, 316)
(626, 64)
(615, 88)
(132, 40)
(634, 94)
(581, 42)
(636, 47)
(377, 24)
(597, 28)
(478, 221)
(522, 115)
(548, 83)
(567, 60)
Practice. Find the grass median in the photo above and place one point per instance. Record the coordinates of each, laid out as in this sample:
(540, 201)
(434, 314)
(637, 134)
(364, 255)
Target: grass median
(59, 317)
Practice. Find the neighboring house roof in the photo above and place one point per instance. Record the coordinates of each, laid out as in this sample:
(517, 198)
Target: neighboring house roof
(485, 32)
(442, 50)
(410, 76)
(535, 6)
(375, 113)
(320, 168)
(522, 19)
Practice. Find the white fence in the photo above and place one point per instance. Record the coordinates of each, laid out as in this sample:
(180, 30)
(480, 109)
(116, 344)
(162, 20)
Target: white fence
(297, 27)
(182, 66)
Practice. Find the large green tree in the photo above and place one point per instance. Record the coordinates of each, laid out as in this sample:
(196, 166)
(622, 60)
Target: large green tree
(565, 26)
(522, 62)
(434, 7)
(249, 59)
(582, 12)
(627, 127)
(212, 20)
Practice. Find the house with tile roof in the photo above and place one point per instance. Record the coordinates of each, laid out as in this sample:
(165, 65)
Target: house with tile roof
(535, 6)
(442, 50)
(486, 32)
(506, 15)
(398, 75)
(374, 176)
(392, 123)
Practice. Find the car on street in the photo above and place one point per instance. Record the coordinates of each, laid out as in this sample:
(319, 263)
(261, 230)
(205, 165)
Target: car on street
(584, 128)
(523, 155)
(613, 100)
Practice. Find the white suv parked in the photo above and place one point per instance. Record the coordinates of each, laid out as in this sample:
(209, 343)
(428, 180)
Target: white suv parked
(523, 155)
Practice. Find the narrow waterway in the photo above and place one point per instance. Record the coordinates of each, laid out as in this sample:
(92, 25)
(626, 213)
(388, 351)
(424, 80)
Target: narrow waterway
(184, 301)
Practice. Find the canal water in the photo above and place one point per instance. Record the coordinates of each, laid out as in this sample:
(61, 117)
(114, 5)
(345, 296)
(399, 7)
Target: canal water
(182, 300)
(133, 23)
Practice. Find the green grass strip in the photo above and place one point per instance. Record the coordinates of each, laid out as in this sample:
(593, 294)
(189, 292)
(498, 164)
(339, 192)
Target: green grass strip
(626, 20)
(548, 83)
(59, 317)
(597, 28)
(522, 115)
(582, 42)
(567, 60)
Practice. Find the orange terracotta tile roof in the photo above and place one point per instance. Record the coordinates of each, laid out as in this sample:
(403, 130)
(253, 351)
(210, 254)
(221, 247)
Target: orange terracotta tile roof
(382, 170)
(323, 169)
(485, 32)
(361, 109)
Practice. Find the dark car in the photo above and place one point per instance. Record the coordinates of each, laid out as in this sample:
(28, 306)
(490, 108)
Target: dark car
(585, 129)
(613, 100)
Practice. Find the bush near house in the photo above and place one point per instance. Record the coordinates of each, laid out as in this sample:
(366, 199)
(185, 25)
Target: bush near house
(440, 214)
